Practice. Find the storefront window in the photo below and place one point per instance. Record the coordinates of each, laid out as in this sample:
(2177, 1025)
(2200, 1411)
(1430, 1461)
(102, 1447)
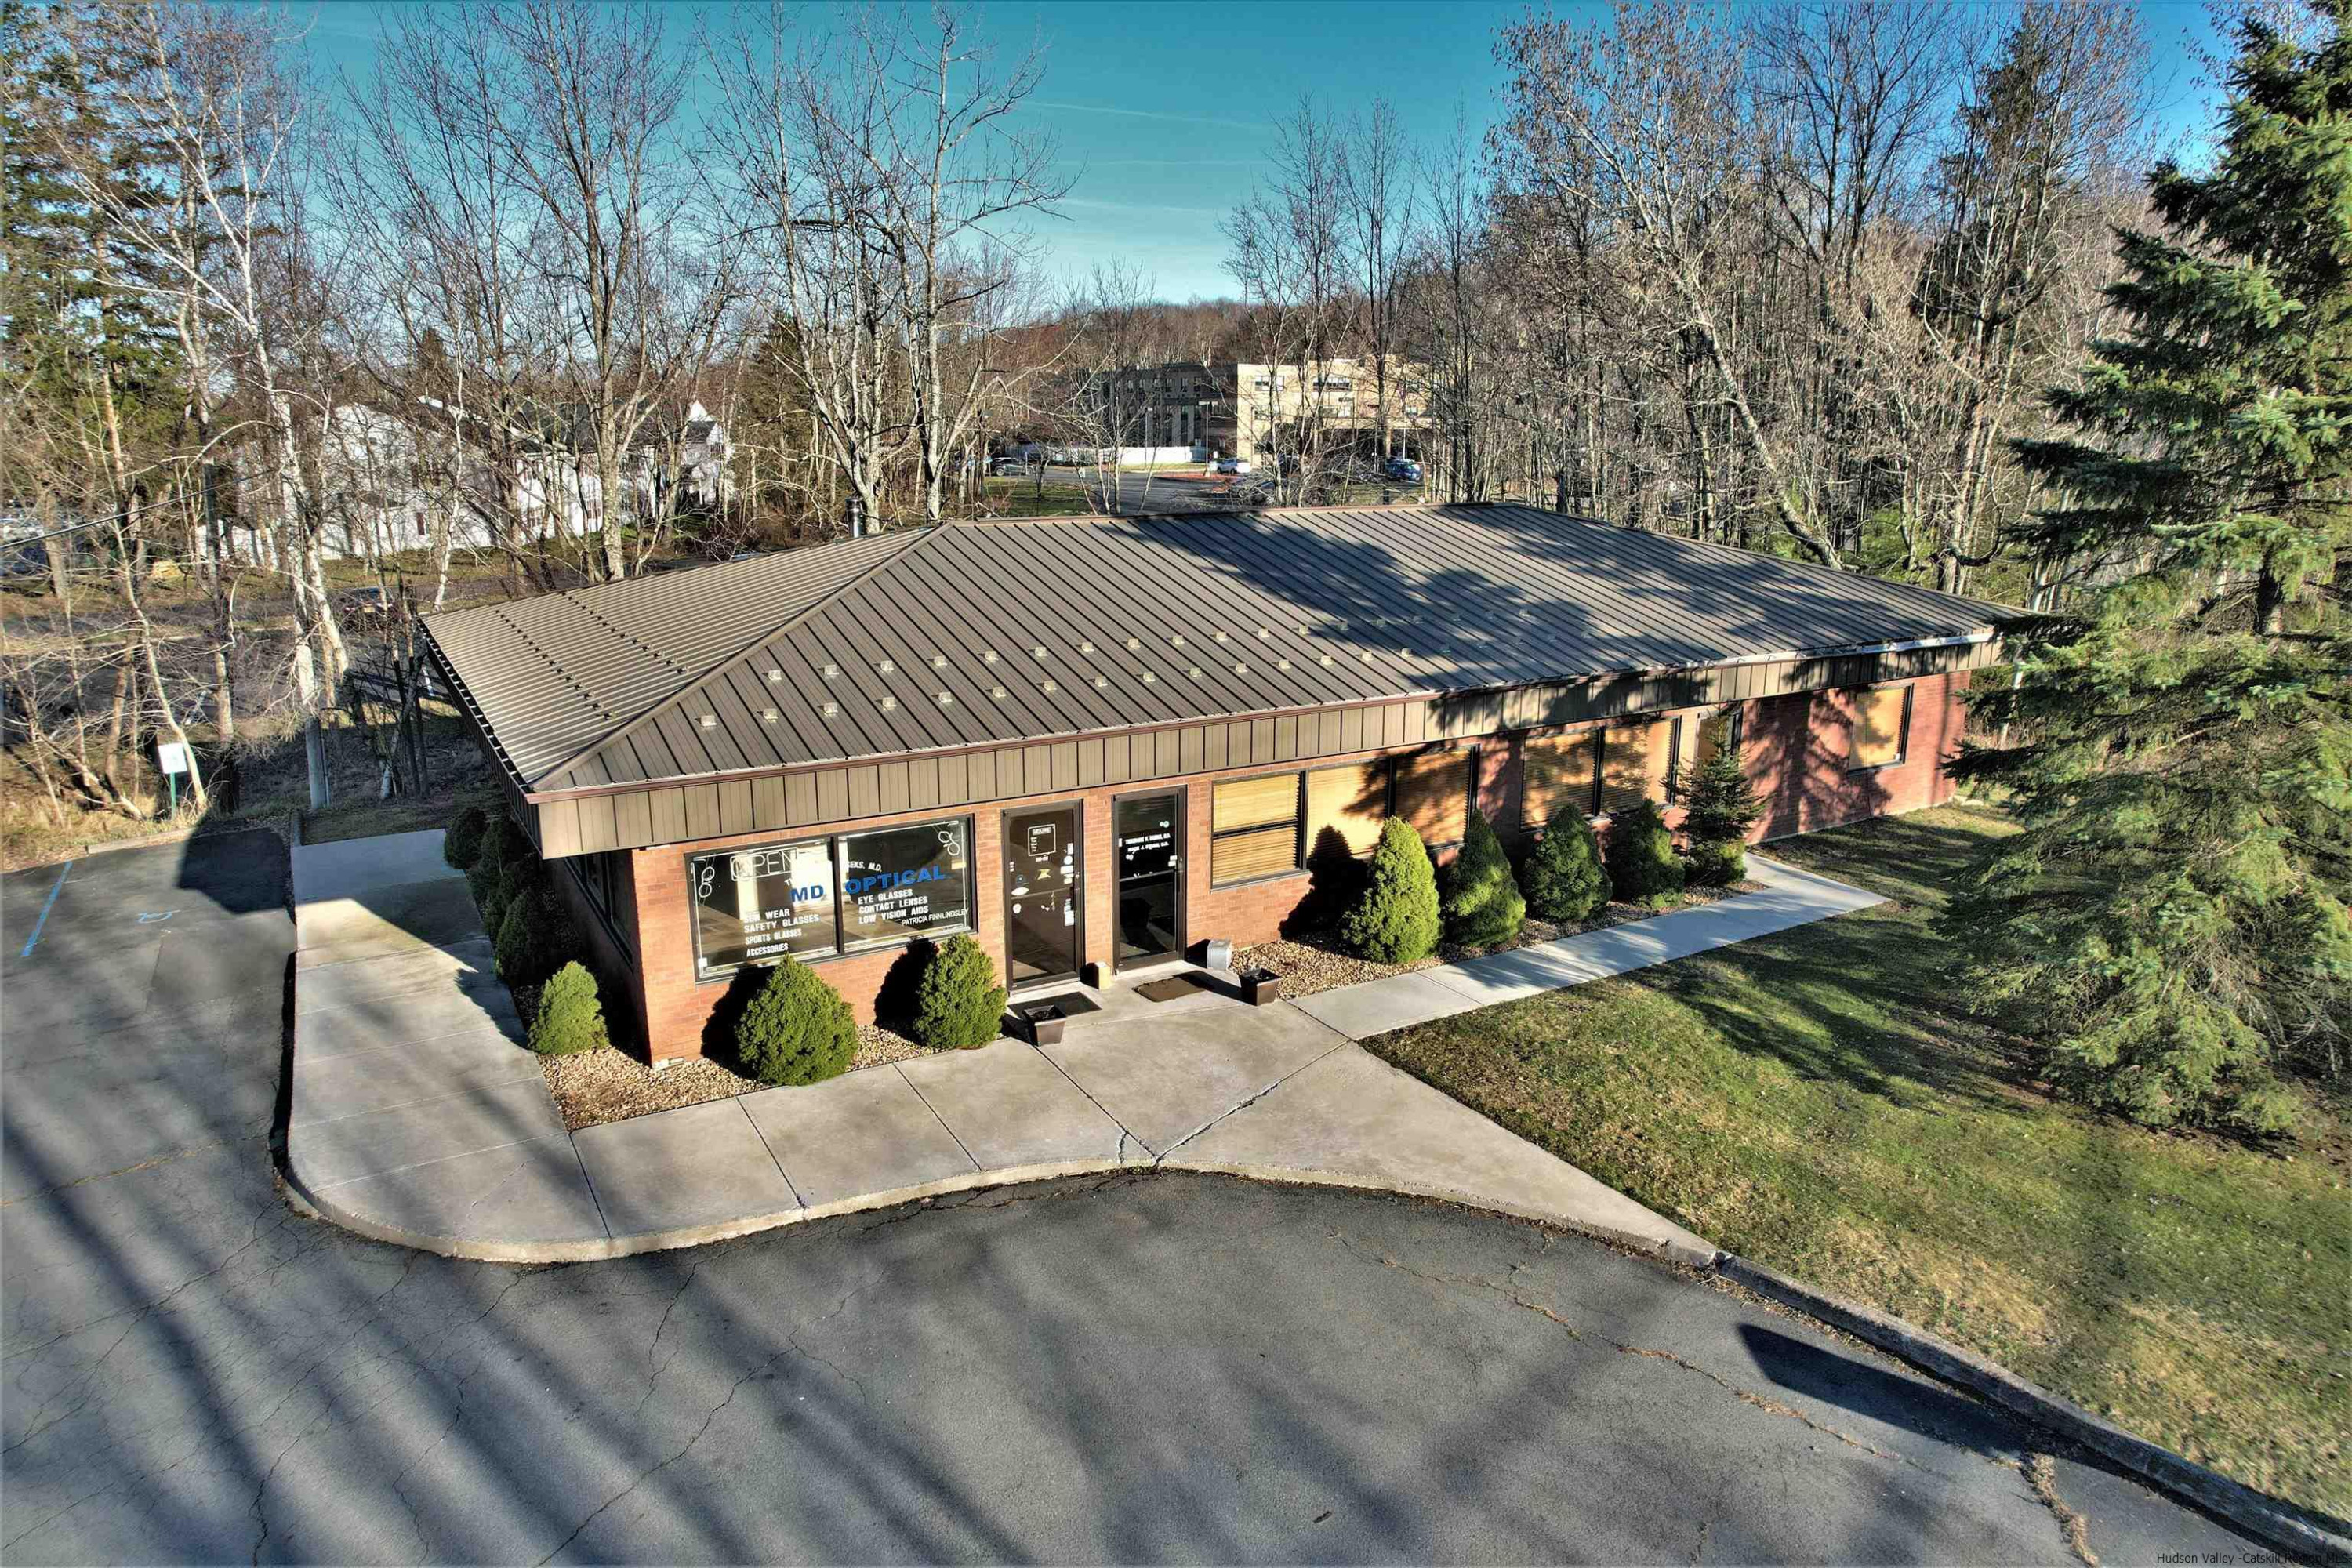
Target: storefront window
(903, 882)
(753, 906)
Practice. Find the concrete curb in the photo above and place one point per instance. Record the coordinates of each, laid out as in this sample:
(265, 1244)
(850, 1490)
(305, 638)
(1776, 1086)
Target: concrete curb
(317, 1204)
(2304, 1537)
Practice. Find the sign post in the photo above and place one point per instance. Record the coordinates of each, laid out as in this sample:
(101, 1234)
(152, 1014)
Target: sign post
(172, 761)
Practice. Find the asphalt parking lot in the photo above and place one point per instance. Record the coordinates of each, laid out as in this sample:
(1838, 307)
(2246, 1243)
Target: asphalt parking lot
(1134, 1368)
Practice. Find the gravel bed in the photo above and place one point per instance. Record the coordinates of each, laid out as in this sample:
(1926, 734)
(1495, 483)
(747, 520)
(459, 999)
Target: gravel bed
(1314, 960)
(592, 1087)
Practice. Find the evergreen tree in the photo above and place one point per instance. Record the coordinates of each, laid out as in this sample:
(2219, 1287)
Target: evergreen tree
(2171, 921)
(1482, 906)
(958, 1003)
(1642, 860)
(570, 1017)
(1564, 879)
(1718, 808)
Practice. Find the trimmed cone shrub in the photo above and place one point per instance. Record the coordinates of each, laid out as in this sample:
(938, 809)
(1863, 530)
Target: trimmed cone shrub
(570, 1017)
(958, 1003)
(1564, 879)
(461, 844)
(533, 935)
(1396, 920)
(1642, 860)
(482, 876)
(1483, 906)
(795, 1029)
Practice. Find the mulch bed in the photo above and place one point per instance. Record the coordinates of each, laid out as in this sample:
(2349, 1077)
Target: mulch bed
(592, 1087)
(1314, 960)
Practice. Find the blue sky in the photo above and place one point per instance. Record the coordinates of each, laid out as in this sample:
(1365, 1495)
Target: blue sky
(1164, 110)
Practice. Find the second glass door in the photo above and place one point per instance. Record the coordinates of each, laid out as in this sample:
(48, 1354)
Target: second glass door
(1147, 856)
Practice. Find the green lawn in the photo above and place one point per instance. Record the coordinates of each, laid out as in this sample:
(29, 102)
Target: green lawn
(1819, 1101)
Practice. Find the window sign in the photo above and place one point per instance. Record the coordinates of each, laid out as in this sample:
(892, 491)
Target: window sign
(902, 882)
(752, 906)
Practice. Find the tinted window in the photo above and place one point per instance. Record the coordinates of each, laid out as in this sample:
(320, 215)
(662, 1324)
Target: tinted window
(901, 882)
(751, 906)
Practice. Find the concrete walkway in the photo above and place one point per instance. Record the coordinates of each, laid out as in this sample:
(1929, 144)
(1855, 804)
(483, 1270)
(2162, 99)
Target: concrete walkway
(1791, 898)
(417, 1118)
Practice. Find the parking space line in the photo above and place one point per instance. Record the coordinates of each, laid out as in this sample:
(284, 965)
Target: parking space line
(45, 906)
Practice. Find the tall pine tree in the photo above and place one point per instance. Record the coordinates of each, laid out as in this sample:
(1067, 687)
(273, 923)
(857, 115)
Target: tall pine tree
(2172, 921)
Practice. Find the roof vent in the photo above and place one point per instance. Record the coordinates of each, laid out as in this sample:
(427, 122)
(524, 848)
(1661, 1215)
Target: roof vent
(711, 720)
(889, 705)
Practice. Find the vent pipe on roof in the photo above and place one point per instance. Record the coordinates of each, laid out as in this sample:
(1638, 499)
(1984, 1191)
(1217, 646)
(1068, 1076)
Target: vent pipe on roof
(854, 512)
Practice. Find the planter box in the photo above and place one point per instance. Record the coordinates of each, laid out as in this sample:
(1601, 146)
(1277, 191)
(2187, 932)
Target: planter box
(1046, 1028)
(1258, 988)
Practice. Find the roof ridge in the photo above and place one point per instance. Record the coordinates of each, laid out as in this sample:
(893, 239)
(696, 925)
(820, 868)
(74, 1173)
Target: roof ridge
(631, 726)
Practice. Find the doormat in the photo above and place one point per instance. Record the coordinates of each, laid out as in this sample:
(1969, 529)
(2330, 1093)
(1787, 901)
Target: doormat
(1070, 1003)
(1175, 986)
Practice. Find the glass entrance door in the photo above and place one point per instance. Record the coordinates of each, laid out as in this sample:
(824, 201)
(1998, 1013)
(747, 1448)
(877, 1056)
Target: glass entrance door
(1042, 909)
(1149, 856)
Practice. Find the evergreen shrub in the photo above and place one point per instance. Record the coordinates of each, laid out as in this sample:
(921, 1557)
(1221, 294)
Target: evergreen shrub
(1396, 920)
(958, 1003)
(461, 844)
(570, 1017)
(1641, 860)
(1564, 879)
(795, 1029)
(1483, 906)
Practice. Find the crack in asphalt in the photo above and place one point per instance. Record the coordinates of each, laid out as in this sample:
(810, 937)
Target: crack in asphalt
(2042, 1473)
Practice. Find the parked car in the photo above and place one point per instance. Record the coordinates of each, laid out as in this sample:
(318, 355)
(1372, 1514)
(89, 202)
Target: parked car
(369, 601)
(1230, 467)
(1404, 470)
(999, 467)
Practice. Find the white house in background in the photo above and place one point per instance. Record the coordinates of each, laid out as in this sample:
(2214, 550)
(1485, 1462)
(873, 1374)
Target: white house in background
(380, 498)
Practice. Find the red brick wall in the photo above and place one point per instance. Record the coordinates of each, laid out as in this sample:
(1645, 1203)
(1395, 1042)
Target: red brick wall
(1815, 792)
(1795, 748)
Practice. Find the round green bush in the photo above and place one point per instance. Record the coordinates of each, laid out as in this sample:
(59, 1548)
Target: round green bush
(533, 935)
(570, 1017)
(958, 1003)
(1642, 860)
(461, 842)
(1564, 879)
(1483, 906)
(795, 1029)
(1717, 863)
(1396, 919)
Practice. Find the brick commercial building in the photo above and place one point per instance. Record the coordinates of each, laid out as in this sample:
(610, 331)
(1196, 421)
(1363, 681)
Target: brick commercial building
(1096, 744)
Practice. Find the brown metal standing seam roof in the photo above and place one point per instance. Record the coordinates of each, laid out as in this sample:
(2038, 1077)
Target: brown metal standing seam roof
(973, 634)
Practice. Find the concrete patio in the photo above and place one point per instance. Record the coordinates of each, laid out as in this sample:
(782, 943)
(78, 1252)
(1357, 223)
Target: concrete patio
(417, 1117)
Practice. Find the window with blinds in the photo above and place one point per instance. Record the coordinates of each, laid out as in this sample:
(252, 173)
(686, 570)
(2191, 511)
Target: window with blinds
(1350, 802)
(1255, 827)
(1697, 739)
(1629, 754)
(1433, 793)
(1882, 717)
(1557, 770)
